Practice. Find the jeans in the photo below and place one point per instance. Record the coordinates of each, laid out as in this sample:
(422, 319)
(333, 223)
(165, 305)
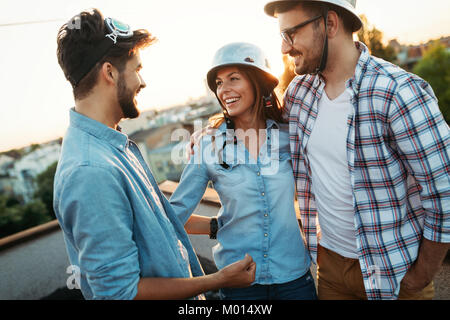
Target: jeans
(302, 288)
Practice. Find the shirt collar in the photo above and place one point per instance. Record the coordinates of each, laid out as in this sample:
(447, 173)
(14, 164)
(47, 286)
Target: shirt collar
(116, 138)
(272, 124)
(361, 67)
(355, 81)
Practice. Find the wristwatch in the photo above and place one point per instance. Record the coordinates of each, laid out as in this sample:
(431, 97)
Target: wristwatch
(213, 228)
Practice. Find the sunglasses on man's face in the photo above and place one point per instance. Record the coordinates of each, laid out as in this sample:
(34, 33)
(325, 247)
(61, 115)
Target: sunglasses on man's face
(288, 34)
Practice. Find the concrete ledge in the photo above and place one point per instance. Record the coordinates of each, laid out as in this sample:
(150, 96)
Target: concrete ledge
(28, 234)
(168, 187)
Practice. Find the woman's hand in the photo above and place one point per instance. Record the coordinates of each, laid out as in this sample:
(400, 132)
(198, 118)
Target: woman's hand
(195, 139)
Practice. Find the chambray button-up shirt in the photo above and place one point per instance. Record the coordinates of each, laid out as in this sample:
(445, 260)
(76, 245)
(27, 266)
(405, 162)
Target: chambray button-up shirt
(117, 225)
(257, 214)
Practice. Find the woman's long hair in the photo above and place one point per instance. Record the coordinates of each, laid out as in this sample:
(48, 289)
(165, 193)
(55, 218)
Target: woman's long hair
(260, 111)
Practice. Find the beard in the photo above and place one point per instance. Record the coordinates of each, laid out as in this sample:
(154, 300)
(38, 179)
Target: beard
(126, 100)
(311, 60)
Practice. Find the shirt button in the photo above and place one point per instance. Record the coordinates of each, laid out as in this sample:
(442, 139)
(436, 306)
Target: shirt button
(266, 215)
(259, 173)
(265, 256)
(265, 234)
(262, 193)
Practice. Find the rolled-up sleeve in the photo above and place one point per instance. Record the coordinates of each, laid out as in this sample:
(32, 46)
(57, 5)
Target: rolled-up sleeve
(191, 188)
(96, 210)
(423, 139)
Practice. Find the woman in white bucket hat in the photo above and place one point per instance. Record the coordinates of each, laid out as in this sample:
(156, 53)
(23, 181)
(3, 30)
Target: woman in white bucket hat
(248, 161)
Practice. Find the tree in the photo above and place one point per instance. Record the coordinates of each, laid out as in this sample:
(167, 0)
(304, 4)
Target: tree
(44, 188)
(434, 67)
(372, 38)
(9, 219)
(16, 216)
(34, 213)
(19, 217)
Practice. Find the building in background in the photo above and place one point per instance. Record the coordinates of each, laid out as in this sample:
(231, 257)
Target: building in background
(156, 145)
(27, 168)
(18, 172)
(7, 179)
(409, 55)
(162, 144)
(158, 133)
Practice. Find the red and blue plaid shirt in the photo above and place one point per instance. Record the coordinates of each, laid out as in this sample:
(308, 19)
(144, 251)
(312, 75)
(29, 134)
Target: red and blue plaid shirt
(398, 159)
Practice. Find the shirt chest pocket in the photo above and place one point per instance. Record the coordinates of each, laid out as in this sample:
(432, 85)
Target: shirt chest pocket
(228, 174)
(276, 155)
(280, 156)
(275, 162)
(279, 150)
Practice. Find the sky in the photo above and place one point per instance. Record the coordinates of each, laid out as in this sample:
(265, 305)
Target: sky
(35, 98)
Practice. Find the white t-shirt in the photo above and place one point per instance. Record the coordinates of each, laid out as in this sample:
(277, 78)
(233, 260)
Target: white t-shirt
(331, 184)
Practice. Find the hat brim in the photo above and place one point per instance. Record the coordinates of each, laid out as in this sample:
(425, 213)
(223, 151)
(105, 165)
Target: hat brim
(271, 7)
(269, 81)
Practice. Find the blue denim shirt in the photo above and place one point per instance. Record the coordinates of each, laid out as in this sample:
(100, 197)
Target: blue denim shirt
(257, 196)
(117, 225)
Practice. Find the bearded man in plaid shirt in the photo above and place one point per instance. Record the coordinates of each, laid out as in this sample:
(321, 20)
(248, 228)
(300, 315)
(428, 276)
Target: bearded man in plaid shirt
(370, 153)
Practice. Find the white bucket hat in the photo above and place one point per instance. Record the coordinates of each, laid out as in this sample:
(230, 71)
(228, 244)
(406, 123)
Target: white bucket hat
(242, 54)
(348, 5)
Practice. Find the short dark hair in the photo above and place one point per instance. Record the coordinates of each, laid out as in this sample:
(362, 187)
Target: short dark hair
(315, 8)
(80, 35)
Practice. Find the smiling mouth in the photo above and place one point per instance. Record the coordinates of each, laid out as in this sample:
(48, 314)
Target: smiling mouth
(231, 101)
(298, 60)
(295, 55)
